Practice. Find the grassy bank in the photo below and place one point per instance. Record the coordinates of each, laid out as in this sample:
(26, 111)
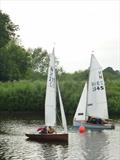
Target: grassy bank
(29, 96)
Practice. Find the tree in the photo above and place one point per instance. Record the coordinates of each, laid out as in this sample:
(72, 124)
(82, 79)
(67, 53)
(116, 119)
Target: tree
(109, 73)
(7, 29)
(14, 62)
(40, 60)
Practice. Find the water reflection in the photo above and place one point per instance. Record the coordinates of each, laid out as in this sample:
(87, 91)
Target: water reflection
(3, 149)
(13, 144)
(87, 146)
(52, 152)
(94, 144)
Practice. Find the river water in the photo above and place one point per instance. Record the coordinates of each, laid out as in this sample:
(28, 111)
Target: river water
(89, 145)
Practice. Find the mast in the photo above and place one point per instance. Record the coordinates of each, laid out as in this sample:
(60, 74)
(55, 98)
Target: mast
(87, 86)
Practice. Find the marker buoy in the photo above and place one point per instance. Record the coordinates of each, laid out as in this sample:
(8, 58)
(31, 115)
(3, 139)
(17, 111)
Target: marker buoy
(82, 129)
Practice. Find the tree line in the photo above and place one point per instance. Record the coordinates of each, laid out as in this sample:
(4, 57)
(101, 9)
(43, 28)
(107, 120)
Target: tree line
(23, 75)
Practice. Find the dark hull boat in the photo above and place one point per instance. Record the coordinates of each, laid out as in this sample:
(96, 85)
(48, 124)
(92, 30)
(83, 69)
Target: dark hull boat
(50, 108)
(59, 137)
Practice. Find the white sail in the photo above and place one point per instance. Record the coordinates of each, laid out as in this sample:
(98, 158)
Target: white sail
(50, 101)
(96, 102)
(80, 113)
(64, 123)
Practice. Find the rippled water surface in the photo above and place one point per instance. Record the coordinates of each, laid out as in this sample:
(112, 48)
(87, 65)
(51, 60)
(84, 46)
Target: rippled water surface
(82, 146)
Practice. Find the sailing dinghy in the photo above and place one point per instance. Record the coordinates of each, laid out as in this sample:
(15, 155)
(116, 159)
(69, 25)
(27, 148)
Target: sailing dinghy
(50, 108)
(93, 101)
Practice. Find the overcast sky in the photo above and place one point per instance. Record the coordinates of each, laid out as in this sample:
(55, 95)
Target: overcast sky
(77, 27)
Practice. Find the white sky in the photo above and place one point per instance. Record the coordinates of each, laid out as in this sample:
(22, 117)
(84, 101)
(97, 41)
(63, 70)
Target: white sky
(75, 26)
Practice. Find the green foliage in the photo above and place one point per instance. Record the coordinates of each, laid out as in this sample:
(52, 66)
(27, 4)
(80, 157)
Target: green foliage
(14, 62)
(7, 29)
(76, 76)
(40, 60)
(22, 96)
(72, 86)
(113, 94)
(109, 73)
(71, 91)
(29, 95)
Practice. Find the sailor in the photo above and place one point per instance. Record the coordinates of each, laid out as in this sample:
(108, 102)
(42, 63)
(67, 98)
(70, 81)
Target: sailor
(51, 130)
(42, 130)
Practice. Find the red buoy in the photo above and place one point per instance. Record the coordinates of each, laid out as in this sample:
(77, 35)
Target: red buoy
(82, 129)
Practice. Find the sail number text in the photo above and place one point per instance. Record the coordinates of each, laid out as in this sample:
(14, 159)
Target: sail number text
(96, 86)
(51, 78)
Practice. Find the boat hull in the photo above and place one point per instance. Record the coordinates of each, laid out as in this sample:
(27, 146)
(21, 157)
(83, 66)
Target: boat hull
(94, 126)
(59, 137)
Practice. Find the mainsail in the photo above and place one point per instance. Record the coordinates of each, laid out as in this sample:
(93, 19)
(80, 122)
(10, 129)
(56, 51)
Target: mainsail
(96, 102)
(50, 101)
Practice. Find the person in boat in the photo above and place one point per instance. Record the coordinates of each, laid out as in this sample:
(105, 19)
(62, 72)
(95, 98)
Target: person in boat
(42, 130)
(92, 120)
(89, 119)
(95, 120)
(51, 130)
